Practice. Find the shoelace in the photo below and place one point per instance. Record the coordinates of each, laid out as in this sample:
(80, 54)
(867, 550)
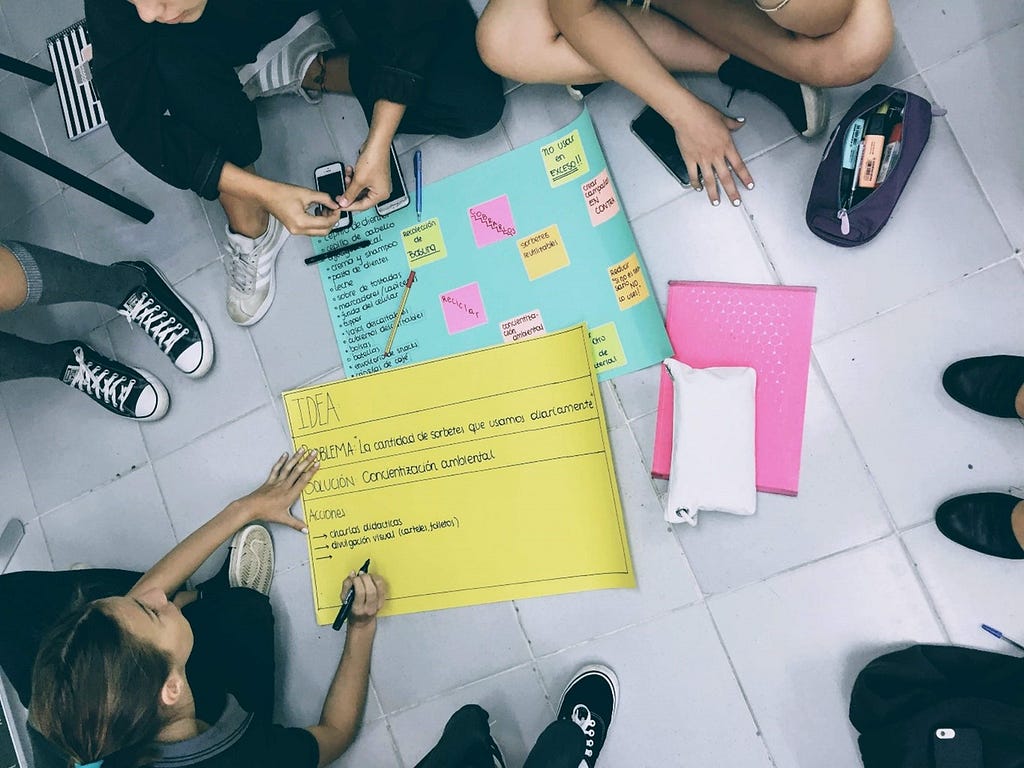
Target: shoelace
(242, 269)
(163, 327)
(582, 717)
(100, 382)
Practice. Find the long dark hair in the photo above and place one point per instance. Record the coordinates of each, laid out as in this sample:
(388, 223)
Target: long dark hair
(96, 690)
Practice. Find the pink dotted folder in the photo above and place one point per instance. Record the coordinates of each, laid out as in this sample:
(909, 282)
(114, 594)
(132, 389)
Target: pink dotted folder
(766, 327)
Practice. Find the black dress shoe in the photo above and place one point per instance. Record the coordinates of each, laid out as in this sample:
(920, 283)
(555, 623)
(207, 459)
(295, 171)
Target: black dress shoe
(981, 521)
(988, 385)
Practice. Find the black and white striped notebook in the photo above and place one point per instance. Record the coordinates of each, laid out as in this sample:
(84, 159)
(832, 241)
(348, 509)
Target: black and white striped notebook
(70, 54)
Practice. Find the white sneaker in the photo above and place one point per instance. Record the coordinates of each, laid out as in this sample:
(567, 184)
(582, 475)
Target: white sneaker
(250, 268)
(251, 559)
(281, 65)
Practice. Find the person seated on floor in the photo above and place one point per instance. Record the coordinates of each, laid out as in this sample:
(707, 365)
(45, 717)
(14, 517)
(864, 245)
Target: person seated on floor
(122, 669)
(31, 274)
(990, 523)
(786, 51)
(165, 71)
(573, 740)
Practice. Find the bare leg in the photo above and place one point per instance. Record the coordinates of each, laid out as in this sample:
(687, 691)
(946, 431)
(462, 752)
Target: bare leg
(1017, 521)
(813, 18)
(1018, 403)
(13, 286)
(244, 216)
(851, 54)
(518, 39)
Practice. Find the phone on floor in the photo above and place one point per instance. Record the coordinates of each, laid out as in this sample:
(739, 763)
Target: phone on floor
(957, 748)
(652, 129)
(399, 194)
(330, 178)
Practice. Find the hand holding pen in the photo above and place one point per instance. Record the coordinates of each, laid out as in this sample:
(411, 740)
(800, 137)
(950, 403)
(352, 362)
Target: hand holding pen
(365, 594)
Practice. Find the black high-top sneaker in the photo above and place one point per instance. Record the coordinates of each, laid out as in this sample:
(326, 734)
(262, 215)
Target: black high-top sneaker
(125, 391)
(589, 702)
(806, 107)
(160, 311)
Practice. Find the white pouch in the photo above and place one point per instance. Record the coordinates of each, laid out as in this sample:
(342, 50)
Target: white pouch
(712, 442)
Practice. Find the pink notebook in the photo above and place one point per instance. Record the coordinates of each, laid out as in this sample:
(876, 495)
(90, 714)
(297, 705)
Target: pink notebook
(766, 327)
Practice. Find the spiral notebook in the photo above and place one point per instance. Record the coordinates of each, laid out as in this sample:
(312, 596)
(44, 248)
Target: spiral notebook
(70, 54)
(765, 327)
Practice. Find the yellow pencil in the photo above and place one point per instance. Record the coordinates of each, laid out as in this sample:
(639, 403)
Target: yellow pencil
(398, 314)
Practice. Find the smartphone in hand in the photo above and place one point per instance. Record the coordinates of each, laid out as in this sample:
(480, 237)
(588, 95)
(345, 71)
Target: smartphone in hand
(653, 130)
(330, 178)
(399, 194)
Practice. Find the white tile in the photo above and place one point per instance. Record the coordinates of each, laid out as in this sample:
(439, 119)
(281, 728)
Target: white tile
(905, 260)
(30, 27)
(295, 140)
(643, 430)
(203, 477)
(514, 700)
(14, 488)
(538, 110)
(295, 341)
(373, 746)
(983, 93)
(178, 240)
(346, 124)
(798, 640)
(936, 31)
(25, 188)
(638, 391)
(485, 639)
(612, 408)
(122, 524)
(307, 654)
(664, 581)
(32, 553)
(838, 507)
(233, 387)
(968, 589)
(679, 702)
(56, 426)
(920, 445)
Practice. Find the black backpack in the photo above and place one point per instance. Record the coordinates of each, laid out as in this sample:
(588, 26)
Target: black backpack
(931, 706)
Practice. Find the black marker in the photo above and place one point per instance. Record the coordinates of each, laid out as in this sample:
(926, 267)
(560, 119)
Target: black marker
(335, 251)
(347, 605)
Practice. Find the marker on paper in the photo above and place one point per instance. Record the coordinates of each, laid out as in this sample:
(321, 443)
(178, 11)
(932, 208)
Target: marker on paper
(398, 314)
(336, 251)
(346, 606)
(417, 170)
(996, 633)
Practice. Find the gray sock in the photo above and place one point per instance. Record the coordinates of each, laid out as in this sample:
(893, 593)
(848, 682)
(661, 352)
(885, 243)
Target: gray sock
(23, 359)
(54, 277)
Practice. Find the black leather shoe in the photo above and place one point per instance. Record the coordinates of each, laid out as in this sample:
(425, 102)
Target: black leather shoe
(981, 521)
(988, 385)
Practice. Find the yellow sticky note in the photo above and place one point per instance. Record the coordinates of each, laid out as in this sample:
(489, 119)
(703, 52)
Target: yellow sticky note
(495, 463)
(543, 252)
(564, 159)
(628, 282)
(606, 347)
(423, 243)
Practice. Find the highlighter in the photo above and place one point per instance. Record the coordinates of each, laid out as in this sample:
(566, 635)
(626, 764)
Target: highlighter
(891, 155)
(874, 147)
(851, 147)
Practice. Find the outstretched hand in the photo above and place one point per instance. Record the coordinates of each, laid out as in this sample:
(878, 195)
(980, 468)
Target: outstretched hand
(271, 501)
(705, 141)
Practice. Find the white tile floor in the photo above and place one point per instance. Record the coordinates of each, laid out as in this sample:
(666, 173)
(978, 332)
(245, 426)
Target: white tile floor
(740, 644)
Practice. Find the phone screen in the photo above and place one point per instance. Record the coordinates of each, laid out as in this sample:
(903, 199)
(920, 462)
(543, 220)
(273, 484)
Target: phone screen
(334, 185)
(399, 196)
(652, 129)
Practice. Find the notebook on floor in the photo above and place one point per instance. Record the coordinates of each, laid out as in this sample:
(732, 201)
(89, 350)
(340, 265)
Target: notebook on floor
(70, 53)
(766, 327)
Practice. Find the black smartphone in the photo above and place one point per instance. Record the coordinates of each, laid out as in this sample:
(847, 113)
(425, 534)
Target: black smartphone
(399, 194)
(652, 129)
(957, 748)
(330, 178)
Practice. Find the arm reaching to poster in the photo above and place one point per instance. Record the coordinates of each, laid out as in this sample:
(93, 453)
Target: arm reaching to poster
(346, 698)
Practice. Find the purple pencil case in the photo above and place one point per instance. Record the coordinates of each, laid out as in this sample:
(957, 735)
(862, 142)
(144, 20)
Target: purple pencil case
(842, 211)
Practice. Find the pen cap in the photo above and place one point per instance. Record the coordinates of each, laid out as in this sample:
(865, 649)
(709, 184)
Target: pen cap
(875, 125)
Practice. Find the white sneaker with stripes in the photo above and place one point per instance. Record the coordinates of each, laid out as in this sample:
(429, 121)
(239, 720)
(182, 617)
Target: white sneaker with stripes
(281, 64)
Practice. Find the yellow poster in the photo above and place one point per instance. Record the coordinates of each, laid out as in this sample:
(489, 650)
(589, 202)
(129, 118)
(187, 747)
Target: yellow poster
(476, 478)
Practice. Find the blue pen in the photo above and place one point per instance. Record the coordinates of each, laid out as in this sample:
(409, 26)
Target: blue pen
(996, 633)
(417, 169)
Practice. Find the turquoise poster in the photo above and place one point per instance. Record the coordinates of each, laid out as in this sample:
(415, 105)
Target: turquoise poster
(533, 241)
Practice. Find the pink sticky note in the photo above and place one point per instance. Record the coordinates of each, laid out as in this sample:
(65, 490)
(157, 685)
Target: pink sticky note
(766, 327)
(463, 308)
(599, 194)
(492, 221)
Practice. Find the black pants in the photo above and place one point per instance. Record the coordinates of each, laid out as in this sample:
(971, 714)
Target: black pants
(233, 629)
(467, 737)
